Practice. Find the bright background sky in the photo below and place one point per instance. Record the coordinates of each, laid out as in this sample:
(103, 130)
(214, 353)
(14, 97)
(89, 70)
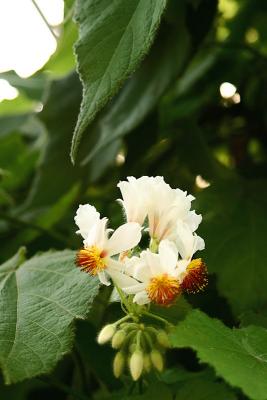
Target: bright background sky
(26, 42)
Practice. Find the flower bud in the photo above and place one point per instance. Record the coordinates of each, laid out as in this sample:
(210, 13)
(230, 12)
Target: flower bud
(136, 364)
(118, 339)
(147, 363)
(157, 360)
(106, 333)
(132, 347)
(118, 364)
(163, 339)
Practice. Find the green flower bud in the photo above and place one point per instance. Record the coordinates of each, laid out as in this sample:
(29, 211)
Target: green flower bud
(118, 339)
(132, 347)
(106, 333)
(118, 364)
(136, 364)
(157, 360)
(147, 363)
(163, 339)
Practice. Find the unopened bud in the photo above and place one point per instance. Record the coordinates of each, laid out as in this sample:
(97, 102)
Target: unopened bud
(118, 364)
(147, 363)
(106, 333)
(118, 339)
(132, 348)
(157, 360)
(163, 339)
(136, 364)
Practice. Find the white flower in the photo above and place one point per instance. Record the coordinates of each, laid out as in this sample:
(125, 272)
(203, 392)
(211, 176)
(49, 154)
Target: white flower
(152, 197)
(96, 257)
(192, 273)
(154, 277)
(86, 217)
(133, 198)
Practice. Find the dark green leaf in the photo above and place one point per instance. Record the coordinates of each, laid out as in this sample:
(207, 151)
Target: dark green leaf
(142, 91)
(234, 228)
(113, 38)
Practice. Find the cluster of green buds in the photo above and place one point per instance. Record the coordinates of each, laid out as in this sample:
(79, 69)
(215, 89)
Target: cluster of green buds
(139, 347)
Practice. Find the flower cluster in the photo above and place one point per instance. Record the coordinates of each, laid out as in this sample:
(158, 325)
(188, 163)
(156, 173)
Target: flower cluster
(160, 273)
(157, 274)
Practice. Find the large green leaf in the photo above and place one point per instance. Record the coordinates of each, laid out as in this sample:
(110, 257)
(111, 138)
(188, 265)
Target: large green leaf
(56, 175)
(238, 356)
(201, 389)
(40, 299)
(113, 38)
(142, 91)
(234, 228)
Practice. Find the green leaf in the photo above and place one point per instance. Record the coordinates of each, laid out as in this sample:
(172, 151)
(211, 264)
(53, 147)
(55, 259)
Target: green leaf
(32, 87)
(141, 92)
(234, 229)
(113, 38)
(63, 60)
(238, 356)
(40, 299)
(56, 175)
(199, 389)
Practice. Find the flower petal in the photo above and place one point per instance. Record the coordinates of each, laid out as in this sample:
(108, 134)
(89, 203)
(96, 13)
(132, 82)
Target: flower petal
(168, 255)
(124, 238)
(103, 278)
(122, 280)
(86, 217)
(141, 298)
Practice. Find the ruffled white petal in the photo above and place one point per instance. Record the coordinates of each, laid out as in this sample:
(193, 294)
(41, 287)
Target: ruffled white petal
(86, 217)
(97, 236)
(124, 238)
(193, 220)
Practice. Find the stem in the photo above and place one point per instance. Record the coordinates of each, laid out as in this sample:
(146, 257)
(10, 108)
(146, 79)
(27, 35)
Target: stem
(163, 320)
(153, 245)
(123, 298)
(122, 319)
(44, 19)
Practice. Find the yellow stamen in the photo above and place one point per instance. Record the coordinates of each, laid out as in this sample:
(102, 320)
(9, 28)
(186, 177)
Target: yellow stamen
(163, 289)
(91, 260)
(196, 277)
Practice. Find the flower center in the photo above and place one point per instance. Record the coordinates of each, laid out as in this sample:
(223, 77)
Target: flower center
(163, 289)
(196, 277)
(91, 260)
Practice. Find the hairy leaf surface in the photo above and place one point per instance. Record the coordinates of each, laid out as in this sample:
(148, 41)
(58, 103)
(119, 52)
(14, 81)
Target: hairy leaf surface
(238, 356)
(40, 299)
(113, 38)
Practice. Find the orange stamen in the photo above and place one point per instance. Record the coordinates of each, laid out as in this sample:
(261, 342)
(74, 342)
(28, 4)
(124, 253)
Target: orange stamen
(91, 260)
(196, 278)
(163, 289)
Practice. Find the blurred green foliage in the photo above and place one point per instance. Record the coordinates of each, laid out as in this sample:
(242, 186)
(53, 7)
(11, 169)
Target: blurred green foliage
(163, 114)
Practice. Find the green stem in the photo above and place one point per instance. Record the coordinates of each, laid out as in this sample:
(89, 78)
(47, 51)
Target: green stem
(163, 320)
(153, 245)
(44, 19)
(123, 298)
